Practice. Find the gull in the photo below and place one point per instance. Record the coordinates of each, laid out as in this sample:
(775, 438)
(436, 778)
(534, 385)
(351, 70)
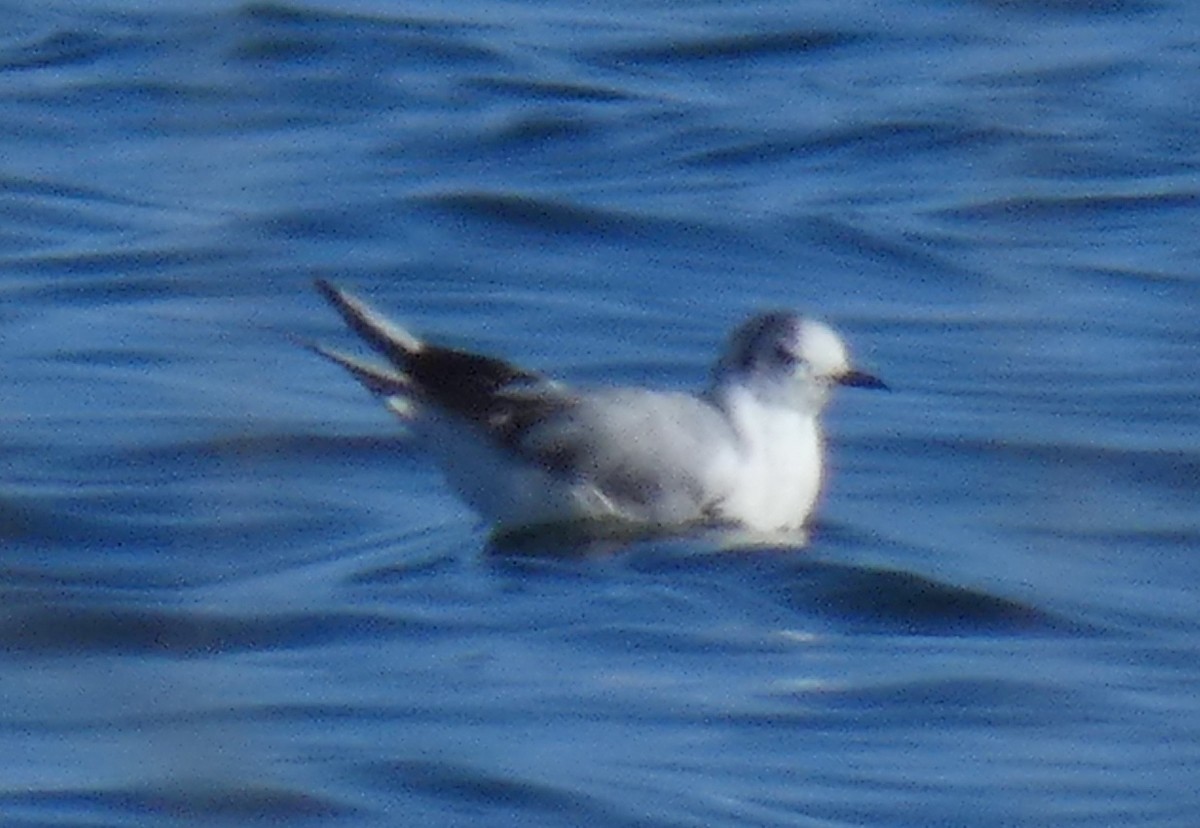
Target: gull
(526, 451)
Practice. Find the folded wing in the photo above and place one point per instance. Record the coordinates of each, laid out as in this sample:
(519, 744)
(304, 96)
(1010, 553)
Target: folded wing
(637, 454)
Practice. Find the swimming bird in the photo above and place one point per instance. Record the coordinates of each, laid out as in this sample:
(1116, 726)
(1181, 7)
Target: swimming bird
(525, 451)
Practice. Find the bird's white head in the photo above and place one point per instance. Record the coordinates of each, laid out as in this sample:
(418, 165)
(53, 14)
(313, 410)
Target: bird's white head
(789, 359)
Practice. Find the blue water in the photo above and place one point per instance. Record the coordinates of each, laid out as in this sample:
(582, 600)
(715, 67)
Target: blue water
(231, 594)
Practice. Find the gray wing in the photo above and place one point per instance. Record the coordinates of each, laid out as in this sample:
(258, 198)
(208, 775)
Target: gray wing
(656, 455)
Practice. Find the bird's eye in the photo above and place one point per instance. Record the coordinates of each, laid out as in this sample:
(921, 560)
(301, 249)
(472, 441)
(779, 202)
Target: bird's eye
(785, 356)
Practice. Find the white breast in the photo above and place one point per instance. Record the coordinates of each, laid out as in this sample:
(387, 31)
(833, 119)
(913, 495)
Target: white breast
(779, 471)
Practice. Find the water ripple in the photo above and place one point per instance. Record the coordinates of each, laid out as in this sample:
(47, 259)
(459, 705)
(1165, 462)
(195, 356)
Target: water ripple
(82, 630)
(745, 47)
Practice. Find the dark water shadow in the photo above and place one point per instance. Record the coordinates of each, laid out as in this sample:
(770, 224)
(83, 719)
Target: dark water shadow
(862, 597)
(230, 803)
(80, 629)
(462, 784)
(892, 600)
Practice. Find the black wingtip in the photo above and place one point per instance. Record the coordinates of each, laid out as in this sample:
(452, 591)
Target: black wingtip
(327, 289)
(385, 336)
(377, 379)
